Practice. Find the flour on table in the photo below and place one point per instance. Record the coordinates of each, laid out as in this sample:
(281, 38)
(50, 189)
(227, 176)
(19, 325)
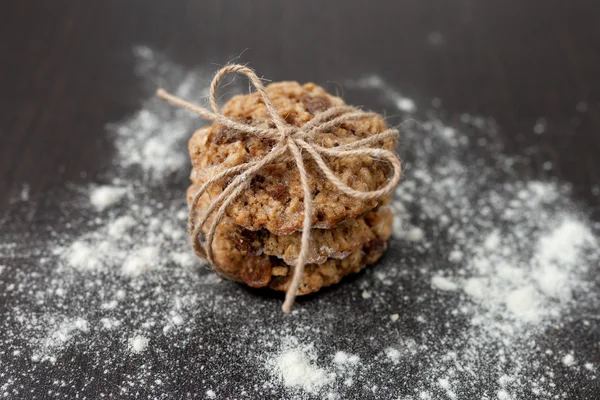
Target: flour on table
(296, 366)
(58, 336)
(138, 344)
(443, 283)
(121, 225)
(343, 358)
(103, 197)
(568, 360)
(154, 137)
(82, 255)
(140, 261)
(393, 354)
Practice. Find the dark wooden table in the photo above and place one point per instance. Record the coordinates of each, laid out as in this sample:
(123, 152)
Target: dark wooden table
(68, 69)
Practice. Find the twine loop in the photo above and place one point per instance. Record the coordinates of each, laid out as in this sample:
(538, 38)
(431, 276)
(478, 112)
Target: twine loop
(291, 142)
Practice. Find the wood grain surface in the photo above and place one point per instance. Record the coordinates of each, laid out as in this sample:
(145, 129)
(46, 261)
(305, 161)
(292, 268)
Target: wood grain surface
(67, 68)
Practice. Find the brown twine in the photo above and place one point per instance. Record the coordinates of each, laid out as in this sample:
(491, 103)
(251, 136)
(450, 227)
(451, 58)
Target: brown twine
(290, 140)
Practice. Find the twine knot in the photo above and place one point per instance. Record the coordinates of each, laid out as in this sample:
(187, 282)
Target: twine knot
(289, 142)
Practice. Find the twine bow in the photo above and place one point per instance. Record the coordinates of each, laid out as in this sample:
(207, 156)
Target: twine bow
(289, 140)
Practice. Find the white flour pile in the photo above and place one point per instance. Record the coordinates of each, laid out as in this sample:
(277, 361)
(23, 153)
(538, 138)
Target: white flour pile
(489, 289)
(296, 367)
(152, 138)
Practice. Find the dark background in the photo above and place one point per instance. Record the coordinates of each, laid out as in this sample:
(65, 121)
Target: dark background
(67, 69)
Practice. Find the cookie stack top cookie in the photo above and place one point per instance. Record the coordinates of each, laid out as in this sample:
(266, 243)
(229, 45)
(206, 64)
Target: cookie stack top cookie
(274, 199)
(289, 158)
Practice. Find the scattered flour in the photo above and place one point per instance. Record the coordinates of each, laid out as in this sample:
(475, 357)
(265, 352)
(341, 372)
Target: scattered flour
(405, 104)
(455, 256)
(184, 258)
(141, 261)
(82, 256)
(59, 336)
(568, 360)
(154, 137)
(104, 197)
(138, 344)
(475, 287)
(343, 358)
(393, 354)
(414, 234)
(444, 383)
(401, 102)
(24, 195)
(296, 367)
(121, 226)
(443, 283)
(503, 395)
(522, 304)
(517, 253)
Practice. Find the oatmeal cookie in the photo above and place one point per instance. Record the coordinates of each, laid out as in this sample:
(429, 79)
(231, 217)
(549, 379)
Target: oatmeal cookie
(274, 198)
(337, 242)
(270, 271)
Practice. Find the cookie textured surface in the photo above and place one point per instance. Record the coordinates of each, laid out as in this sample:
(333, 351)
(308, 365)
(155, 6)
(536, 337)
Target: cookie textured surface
(336, 242)
(325, 244)
(274, 198)
(271, 271)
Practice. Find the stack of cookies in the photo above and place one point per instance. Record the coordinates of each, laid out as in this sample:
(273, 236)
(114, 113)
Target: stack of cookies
(258, 240)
